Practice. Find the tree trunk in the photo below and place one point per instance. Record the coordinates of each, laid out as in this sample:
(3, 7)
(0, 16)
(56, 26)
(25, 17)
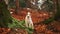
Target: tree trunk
(57, 16)
(5, 16)
(17, 6)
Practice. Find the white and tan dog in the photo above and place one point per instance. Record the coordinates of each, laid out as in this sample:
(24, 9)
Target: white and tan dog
(28, 21)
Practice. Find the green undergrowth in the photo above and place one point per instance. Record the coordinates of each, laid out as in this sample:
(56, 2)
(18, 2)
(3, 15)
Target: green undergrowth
(49, 20)
(19, 24)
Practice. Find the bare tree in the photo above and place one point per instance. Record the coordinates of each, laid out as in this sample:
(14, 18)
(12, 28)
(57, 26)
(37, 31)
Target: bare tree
(17, 6)
(57, 16)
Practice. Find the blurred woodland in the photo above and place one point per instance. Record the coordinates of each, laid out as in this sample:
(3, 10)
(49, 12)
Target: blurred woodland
(45, 20)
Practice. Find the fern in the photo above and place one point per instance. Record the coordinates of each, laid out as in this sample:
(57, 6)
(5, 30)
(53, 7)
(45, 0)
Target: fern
(19, 24)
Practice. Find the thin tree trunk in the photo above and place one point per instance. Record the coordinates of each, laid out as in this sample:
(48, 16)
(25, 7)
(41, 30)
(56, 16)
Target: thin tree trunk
(17, 6)
(57, 16)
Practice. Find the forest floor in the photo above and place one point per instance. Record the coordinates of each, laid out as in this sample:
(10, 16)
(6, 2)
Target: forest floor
(37, 17)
